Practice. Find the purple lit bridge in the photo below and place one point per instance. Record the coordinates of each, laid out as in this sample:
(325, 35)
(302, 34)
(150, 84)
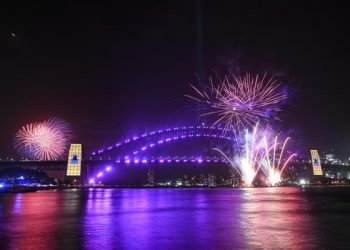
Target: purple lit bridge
(186, 144)
(170, 147)
(186, 147)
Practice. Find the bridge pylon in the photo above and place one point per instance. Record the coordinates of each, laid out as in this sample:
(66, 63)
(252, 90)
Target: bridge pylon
(74, 164)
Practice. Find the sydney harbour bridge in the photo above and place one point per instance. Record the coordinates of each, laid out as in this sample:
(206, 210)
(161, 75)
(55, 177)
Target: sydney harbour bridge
(171, 147)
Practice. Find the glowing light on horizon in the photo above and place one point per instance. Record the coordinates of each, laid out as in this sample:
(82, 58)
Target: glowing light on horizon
(302, 182)
(47, 140)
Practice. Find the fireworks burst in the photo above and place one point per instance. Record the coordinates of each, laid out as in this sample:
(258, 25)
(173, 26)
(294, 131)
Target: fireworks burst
(241, 102)
(246, 157)
(259, 153)
(273, 163)
(46, 140)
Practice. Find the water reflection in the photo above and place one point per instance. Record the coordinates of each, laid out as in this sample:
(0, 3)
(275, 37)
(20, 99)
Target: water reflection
(29, 220)
(277, 219)
(98, 220)
(265, 218)
(153, 218)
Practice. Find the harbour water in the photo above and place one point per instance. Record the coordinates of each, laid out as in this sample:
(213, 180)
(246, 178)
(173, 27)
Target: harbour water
(220, 218)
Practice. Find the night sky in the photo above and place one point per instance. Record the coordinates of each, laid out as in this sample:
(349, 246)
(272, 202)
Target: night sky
(113, 68)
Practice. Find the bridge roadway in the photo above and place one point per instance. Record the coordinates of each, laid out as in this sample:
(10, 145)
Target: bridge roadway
(62, 164)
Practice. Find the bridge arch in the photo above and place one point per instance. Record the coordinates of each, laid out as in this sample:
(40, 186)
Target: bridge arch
(133, 150)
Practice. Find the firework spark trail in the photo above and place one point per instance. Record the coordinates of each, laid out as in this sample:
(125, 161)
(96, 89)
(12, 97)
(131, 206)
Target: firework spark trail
(259, 153)
(245, 160)
(46, 140)
(274, 169)
(241, 102)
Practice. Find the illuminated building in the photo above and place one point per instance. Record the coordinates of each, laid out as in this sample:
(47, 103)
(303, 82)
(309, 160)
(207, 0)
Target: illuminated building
(330, 157)
(202, 179)
(74, 160)
(150, 177)
(211, 180)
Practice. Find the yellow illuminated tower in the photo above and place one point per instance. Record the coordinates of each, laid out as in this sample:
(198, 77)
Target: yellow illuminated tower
(74, 160)
(316, 162)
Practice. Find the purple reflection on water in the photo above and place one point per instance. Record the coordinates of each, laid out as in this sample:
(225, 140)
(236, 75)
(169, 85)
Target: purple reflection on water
(156, 219)
(198, 219)
(261, 218)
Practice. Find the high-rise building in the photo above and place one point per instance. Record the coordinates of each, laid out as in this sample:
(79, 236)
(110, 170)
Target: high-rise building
(211, 180)
(186, 180)
(150, 177)
(202, 179)
(330, 157)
